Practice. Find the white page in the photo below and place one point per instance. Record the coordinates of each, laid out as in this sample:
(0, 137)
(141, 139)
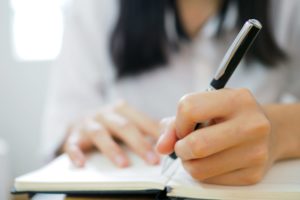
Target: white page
(281, 182)
(98, 174)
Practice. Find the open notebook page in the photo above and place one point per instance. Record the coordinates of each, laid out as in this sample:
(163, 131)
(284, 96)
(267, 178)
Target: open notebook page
(281, 182)
(98, 174)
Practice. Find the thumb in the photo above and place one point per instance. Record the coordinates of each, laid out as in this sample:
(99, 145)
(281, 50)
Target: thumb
(168, 138)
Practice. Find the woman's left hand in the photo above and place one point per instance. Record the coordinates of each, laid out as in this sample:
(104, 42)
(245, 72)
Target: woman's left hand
(237, 147)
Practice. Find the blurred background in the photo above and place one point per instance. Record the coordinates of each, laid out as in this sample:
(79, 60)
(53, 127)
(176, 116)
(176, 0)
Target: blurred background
(30, 38)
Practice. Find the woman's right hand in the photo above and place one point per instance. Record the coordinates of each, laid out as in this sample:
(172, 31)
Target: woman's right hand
(111, 124)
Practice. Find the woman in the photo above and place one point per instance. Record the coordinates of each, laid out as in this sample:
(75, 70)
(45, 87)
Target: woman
(116, 76)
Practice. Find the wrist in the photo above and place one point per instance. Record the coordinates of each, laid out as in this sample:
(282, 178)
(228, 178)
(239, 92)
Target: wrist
(285, 131)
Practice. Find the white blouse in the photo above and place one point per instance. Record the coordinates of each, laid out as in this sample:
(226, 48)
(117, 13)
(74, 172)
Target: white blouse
(83, 77)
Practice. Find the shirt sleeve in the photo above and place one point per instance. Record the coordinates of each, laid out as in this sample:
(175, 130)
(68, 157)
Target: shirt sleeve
(81, 73)
(286, 23)
(294, 51)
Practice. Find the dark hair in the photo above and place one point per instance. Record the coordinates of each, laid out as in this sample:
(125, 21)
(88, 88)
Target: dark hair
(139, 42)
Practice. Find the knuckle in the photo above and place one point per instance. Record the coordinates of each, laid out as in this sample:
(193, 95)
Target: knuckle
(263, 126)
(194, 171)
(92, 128)
(245, 96)
(192, 145)
(198, 175)
(260, 156)
(185, 105)
(198, 148)
(195, 153)
(254, 177)
(97, 134)
(244, 93)
(190, 148)
(179, 149)
(258, 126)
(125, 125)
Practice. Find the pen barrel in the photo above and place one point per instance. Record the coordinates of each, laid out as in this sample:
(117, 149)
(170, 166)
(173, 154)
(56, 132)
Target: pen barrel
(235, 53)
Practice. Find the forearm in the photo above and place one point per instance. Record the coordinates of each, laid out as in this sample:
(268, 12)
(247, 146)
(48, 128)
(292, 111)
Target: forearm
(285, 122)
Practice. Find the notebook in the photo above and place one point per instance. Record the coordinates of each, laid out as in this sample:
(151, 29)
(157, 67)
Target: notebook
(100, 176)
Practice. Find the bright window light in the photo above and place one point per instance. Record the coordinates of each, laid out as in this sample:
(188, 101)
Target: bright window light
(37, 29)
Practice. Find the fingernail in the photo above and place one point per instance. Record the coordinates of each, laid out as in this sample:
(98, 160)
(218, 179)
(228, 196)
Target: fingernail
(151, 157)
(121, 161)
(78, 163)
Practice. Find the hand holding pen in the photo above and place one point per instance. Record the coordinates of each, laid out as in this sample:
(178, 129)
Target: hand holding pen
(235, 149)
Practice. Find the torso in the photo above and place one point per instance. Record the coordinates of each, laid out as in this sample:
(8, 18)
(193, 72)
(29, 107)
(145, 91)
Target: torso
(190, 70)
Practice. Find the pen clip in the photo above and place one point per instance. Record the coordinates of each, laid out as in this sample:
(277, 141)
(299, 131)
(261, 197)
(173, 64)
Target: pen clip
(236, 51)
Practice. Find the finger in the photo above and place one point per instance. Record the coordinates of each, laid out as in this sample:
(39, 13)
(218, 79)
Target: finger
(201, 107)
(225, 162)
(247, 176)
(72, 148)
(131, 136)
(212, 139)
(142, 121)
(105, 143)
(76, 155)
(167, 140)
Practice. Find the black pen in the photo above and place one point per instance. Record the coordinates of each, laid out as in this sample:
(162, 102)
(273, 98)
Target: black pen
(232, 58)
